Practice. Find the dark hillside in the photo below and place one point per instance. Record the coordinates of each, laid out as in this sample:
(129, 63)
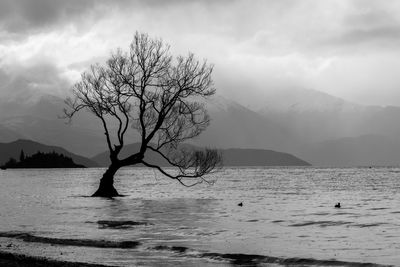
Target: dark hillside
(13, 150)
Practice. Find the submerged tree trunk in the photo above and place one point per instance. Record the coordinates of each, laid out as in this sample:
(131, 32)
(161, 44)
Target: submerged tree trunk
(106, 187)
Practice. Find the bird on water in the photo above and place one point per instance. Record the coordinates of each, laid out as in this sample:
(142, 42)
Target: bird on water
(240, 204)
(337, 205)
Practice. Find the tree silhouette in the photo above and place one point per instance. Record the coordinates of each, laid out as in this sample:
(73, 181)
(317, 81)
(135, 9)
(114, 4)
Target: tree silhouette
(157, 95)
(22, 156)
(42, 160)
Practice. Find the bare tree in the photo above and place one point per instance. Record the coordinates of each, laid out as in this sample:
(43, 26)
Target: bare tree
(149, 91)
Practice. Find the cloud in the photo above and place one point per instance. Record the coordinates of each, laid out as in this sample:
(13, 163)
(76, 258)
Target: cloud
(367, 25)
(386, 36)
(24, 15)
(26, 82)
(21, 16)
(273, 43)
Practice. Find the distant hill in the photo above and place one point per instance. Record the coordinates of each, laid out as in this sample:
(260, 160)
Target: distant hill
(231, 157)
(259, 157)
(13, 150)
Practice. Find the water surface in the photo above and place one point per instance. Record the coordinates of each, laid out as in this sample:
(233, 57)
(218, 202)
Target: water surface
(288, 217)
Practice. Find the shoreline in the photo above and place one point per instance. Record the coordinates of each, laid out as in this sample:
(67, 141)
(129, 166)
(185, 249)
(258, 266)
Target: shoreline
(8, 259)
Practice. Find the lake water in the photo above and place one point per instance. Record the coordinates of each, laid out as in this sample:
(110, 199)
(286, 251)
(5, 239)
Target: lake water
(287, 218)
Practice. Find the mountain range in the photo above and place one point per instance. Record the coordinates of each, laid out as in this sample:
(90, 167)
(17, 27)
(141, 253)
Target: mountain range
(231, 157)
(319, 128)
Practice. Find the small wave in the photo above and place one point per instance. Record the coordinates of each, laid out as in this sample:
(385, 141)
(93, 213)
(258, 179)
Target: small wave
(289, 193)
(378, 208)
(320, 213)
(364, 225)
(257, 260)
(344, 213)
(120, 224)
(320, 223)
(171, 248)
(26, 237)
(254, 260)
(278, 221)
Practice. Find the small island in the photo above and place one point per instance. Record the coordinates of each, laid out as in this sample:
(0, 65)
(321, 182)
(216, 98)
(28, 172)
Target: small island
(41, 160)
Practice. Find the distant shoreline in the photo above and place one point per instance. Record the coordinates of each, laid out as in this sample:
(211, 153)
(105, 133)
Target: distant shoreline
(8, 259)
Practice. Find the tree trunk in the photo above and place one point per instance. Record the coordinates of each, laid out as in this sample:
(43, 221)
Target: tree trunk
(106, 187)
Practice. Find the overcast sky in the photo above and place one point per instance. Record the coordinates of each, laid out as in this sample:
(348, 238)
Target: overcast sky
(347, 48)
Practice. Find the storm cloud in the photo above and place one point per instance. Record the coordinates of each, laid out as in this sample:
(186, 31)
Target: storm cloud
(346, 48)
(25, 15)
